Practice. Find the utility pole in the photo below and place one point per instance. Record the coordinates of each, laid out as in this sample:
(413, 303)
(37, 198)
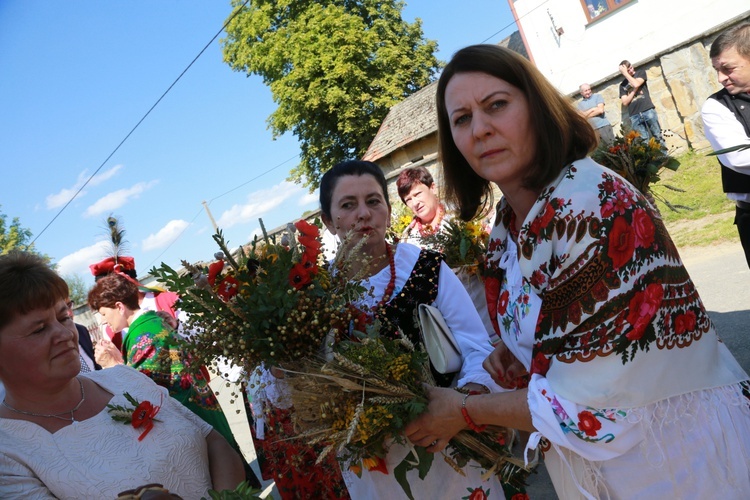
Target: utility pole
(213, 222)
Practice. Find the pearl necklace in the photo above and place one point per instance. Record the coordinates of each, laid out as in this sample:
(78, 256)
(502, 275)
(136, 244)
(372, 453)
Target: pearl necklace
(53, 415)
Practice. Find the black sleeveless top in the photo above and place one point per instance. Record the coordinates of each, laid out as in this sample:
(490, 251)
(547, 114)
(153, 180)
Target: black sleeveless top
(731, 180)
(401, 312)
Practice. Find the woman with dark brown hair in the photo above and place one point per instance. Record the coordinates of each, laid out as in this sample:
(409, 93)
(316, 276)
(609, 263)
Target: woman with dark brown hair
(618, 371)
(152, 347)
(418, 191)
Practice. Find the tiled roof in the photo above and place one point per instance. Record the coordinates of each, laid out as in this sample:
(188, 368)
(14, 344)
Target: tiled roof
(406, 122)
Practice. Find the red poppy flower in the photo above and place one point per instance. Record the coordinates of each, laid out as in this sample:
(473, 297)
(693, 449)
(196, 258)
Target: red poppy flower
(306, 228)
(299, 277)
(310, 263)
(228, 287)
(214, 270)
(143, 416)
(588, 423)
(621, 242)
(310, 242)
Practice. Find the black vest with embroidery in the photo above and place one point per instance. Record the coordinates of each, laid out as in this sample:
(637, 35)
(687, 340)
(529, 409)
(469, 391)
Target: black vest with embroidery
(400, 313)
(731, 180)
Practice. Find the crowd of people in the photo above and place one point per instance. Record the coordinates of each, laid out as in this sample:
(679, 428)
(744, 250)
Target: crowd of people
(601, 351)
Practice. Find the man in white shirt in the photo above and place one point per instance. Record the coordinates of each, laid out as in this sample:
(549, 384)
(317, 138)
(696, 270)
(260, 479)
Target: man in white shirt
(726, 121)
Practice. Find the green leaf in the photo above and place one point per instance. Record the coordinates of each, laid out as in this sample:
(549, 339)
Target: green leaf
(425, 461)
(399, 472)
(740, 147)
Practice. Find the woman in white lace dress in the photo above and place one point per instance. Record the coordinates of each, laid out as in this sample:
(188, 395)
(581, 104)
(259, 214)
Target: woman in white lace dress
(620, 375)
(57, 438)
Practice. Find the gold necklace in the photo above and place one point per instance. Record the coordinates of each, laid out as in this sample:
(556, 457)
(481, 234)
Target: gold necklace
(55, 415)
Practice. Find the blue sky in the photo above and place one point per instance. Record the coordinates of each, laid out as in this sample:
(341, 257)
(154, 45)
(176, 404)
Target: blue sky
(78, 75)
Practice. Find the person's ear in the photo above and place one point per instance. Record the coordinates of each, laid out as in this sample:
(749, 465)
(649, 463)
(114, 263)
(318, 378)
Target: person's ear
(328, 223)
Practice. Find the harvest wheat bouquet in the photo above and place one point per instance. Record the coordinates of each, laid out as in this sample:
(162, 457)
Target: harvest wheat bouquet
(640, 161)
(363, 396)
(275, 303)
(464, 244)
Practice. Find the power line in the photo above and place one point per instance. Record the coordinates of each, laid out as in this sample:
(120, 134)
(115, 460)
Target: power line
(514, 22)
(254, 178)
(234, 14)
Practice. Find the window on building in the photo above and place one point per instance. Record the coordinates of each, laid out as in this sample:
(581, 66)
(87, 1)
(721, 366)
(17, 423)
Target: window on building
(596, 9)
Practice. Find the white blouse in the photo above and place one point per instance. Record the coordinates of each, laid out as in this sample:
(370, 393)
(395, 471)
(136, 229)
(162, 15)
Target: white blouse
(442, 481)
(638, 449)
(98, 457)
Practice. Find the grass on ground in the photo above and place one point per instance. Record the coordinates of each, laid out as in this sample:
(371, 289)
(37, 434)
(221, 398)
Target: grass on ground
(710, 219)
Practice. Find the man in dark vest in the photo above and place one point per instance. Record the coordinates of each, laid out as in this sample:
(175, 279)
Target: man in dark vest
(726, 121)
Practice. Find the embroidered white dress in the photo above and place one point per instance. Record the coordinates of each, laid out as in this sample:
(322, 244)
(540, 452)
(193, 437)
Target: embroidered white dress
(681, 428)
(442, 481)
(99, 458)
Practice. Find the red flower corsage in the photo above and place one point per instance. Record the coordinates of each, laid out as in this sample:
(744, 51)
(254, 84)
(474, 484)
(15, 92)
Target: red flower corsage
(141, 416)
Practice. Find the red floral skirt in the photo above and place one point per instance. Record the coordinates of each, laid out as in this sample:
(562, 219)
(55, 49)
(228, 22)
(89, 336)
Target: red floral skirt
(292, 465)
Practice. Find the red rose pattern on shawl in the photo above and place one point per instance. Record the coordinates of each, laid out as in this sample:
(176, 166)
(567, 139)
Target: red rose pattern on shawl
(621, 257)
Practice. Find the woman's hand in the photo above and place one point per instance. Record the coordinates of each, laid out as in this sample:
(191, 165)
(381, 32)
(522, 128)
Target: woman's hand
(107, 354)
(442, 420)
(504, 367)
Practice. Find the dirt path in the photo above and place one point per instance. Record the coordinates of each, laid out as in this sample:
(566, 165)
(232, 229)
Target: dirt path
(693, 254)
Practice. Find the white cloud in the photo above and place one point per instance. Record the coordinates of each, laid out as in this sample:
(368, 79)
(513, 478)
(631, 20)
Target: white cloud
(308, 198)
(256, 232)
(59, 199)
(104, 176)
(165, 235)
(66, 194)
(259, 203)
(78, 262)
(116, 199)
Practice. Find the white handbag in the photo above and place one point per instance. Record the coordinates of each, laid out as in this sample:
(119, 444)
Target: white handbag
(438, 339)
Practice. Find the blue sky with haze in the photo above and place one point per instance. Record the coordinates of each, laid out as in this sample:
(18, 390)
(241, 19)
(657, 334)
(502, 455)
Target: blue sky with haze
(78, 75)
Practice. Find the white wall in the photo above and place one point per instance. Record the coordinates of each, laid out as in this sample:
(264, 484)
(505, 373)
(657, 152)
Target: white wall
(588, 53)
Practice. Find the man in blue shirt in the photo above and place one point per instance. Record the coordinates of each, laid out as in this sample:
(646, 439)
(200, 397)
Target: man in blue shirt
(591, 107)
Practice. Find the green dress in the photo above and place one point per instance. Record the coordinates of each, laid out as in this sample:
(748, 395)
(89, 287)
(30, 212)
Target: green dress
(154, 349)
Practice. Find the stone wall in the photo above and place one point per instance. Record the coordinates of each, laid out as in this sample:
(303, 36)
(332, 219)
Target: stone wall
(679, 80)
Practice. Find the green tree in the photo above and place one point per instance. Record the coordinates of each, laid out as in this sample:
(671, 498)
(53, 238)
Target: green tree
(78, 290)
(334, 67)
(14, 236)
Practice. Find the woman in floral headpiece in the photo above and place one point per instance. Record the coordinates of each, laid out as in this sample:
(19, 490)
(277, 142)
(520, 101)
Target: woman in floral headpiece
(631, 391)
